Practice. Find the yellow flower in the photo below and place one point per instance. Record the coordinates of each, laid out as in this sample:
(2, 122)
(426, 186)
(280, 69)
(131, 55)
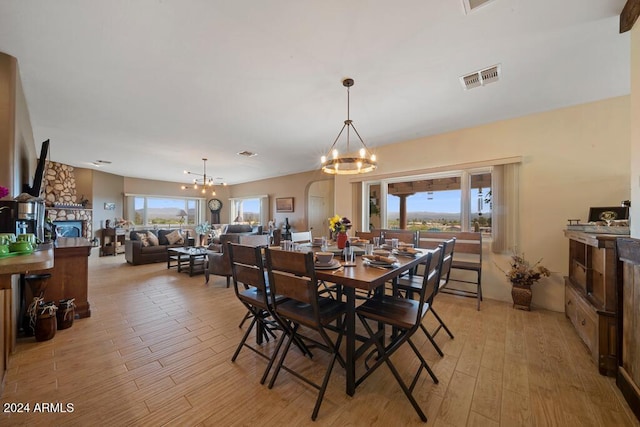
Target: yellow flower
(338, 223)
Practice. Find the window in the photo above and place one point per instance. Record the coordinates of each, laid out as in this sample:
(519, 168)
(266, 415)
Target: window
(483, 196)
(452, 201)
(252, 210)
(429, 204)
(165, 211)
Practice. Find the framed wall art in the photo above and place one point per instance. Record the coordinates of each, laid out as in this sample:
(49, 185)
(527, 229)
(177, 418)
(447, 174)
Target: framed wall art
(284, 204)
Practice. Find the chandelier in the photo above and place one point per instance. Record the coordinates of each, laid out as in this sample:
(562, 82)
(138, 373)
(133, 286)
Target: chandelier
(204, 181)
(348, 164)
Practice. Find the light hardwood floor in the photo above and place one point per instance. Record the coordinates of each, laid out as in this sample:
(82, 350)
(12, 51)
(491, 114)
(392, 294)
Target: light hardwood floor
(157, 350)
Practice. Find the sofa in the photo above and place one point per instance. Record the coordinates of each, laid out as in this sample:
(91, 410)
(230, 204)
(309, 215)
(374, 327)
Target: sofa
(141, 248)
(242, 229)
(232, 229)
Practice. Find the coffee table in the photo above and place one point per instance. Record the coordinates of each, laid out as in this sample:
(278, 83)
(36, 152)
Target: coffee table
(192, 260)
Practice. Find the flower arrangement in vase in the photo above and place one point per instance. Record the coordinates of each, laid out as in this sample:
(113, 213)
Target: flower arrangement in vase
(339, 227)
(522, 276)
(202, 230)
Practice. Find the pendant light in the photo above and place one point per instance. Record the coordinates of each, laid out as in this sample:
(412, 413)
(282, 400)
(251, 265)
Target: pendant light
(348, 163)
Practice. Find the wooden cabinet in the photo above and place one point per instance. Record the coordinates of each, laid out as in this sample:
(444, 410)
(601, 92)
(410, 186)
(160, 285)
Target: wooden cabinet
(591, 295)
(112, 241)
(628, 378)
(69, 275)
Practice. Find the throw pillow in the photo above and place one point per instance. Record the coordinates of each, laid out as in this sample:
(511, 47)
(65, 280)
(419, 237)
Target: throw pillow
(143, 238)
(175, 238)
(216, 233)
(153, 239)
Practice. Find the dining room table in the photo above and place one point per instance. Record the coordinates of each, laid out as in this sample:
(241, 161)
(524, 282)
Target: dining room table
(367, 277)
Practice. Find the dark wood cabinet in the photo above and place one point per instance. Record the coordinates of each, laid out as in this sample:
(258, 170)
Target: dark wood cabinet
(628, 378)
(591, 295)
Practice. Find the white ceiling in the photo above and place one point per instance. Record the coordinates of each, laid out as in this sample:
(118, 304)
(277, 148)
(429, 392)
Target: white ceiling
(155, 85)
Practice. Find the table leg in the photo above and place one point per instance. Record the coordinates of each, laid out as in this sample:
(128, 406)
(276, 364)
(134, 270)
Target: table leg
(179, 262)
(350, 325)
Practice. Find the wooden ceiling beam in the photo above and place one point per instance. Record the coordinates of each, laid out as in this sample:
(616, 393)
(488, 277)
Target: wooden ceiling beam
(629, 15)
(440, 184)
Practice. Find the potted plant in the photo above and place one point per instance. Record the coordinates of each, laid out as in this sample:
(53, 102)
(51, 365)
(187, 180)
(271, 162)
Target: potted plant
(522, 276)
(339, 227)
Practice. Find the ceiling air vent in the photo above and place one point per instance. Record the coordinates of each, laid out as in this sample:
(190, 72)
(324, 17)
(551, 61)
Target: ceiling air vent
(471, 5)
(246, 153)
(481, 78)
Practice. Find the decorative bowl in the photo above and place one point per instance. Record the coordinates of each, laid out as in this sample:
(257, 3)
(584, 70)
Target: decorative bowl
(20, 247)
(324, 257)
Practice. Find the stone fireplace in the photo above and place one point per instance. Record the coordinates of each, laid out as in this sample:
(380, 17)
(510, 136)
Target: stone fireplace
(62, 205)
(74, 218)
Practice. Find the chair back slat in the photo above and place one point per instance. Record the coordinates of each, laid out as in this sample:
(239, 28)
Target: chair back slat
(293, 287)
(247, 266)
(466, 242)
(404, 236)
(368, 235)
(292, 275)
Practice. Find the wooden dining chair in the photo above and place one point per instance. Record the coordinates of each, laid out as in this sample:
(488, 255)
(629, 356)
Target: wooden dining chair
(292, 275)
(405, 316)
(467, 262)
(412, 285)
(368, 235)
(252, 290)
(404, 236)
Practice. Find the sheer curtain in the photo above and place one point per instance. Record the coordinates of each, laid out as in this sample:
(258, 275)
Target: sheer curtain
(505, 198)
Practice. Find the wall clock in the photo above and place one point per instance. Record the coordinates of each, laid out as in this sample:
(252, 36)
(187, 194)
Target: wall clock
(215, 205)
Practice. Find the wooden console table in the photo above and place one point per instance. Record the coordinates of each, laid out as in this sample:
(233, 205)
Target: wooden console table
(112, 241)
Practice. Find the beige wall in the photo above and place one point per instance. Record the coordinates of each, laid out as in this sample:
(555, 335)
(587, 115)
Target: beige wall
(19, 159)
(573, 158)
(106, 188)
(7, 102)
(296, 186)
(635, 131)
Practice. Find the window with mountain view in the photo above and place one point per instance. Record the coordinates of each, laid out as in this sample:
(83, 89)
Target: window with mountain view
(430, 204)
(164, 211)
(454, 201)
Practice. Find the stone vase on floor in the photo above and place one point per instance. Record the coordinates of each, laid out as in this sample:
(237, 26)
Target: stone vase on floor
(521, 295)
